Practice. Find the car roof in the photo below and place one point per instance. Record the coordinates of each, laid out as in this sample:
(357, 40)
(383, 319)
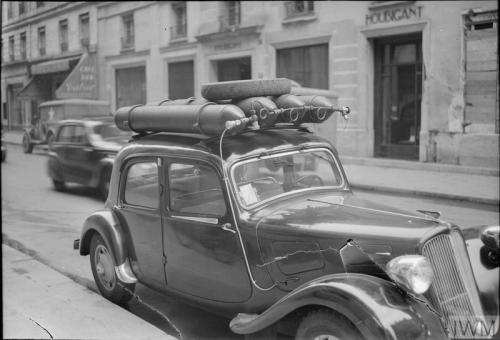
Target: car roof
(88, 121)
(245, 144)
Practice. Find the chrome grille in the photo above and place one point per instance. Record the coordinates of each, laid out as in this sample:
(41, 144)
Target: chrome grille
(453, 290)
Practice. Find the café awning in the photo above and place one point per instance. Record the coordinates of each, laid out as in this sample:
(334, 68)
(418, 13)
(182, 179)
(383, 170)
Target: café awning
(51, 66)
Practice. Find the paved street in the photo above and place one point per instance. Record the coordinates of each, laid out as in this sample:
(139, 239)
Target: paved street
(43, 223)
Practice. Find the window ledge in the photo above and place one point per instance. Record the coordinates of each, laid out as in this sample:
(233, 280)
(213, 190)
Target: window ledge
(179, 40)
(300, 19)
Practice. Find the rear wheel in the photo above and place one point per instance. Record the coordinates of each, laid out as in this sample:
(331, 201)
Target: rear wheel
(27, 145)
(103, 269)
(324, 324)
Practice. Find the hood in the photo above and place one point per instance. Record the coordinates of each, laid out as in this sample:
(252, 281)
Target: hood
(305, 235)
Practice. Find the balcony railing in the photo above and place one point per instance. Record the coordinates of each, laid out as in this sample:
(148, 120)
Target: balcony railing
(178, 32)
(127, 42)
(297, 8)
(229, 22)
(64, 46)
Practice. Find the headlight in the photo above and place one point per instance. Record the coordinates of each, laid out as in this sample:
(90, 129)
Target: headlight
(414, 272)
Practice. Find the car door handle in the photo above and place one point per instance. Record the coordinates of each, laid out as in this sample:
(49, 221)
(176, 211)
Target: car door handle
(228, 227)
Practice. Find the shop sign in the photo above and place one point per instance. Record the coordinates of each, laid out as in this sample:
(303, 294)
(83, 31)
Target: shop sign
(227, 46)
(393, 15)
(50, 67)
(82, 81)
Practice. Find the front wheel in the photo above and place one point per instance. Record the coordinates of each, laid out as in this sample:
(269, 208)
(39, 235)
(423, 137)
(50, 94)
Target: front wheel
(103, 269)
(27, 145)
(323, 324)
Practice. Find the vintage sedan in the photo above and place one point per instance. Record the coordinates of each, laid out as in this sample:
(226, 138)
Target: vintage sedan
(260, 224)
(83, 152)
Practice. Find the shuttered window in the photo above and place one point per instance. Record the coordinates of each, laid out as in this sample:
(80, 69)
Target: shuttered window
(307, 65)
(481, 65)
(180, 80)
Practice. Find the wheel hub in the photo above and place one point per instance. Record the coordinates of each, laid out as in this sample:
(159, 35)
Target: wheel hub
(104, 267)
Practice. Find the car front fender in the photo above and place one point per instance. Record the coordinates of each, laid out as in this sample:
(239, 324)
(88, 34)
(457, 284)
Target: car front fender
(378, 308)
(486, 274)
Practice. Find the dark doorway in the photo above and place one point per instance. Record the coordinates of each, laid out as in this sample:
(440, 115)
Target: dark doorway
(130, 86)
(180, 80)
(234, 69)
(398, 92)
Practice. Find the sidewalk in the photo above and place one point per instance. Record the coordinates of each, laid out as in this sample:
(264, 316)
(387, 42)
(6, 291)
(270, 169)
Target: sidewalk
(40, 303)
(427, 179)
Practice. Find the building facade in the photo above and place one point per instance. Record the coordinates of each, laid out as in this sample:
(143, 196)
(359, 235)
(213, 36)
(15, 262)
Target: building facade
(42, 43)
(421, 77)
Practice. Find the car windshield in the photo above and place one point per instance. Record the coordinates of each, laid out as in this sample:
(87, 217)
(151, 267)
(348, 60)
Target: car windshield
(266, 177)
(109, 132)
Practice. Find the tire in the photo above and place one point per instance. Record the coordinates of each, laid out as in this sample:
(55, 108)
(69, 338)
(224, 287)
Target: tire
(103, 269)
(104, 183)
(325, 324)
(240, 89)
(268, 333)
(59, 185)
(27, 145)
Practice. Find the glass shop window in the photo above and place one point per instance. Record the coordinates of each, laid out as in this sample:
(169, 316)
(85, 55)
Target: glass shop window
(141, 186)
(195, 189)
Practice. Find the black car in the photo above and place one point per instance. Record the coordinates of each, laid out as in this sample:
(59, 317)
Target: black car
(83, 152)
(260, 224)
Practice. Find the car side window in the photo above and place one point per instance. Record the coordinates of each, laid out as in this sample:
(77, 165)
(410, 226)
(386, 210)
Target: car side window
(79, 135)
(195, 189)
(141, 185)
(66, 133)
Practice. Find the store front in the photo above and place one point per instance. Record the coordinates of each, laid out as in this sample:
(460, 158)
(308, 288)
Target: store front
(233, 69)
(398, 94)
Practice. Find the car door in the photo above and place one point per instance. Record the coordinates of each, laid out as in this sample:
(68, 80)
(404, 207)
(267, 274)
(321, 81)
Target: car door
(139, 208)
(60, 147)
(74, 150)
(203, 254)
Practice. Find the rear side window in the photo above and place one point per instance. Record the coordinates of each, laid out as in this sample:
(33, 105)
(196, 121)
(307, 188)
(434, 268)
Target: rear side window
(66, 133)
(141, 186)
(195, 189)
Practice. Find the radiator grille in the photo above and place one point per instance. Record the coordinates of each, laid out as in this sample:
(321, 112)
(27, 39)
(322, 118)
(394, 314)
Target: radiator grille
(453, 290)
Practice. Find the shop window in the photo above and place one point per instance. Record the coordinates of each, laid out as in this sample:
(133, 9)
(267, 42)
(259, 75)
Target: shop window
(127, 38)
(84, 30)
(41, 41)
(11, 48)
(307, 65)
(481, 65)
(23, 45)
(231, 19)
(297, 8)
(179, 30)
(130, 86)
(234, 69)
(63, 35)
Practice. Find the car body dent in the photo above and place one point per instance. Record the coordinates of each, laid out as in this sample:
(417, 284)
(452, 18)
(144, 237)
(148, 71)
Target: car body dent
(375, 306)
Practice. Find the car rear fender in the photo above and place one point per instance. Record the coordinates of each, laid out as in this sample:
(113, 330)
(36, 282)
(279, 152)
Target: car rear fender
(105, 163)
(105, 223)
(378, 308)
